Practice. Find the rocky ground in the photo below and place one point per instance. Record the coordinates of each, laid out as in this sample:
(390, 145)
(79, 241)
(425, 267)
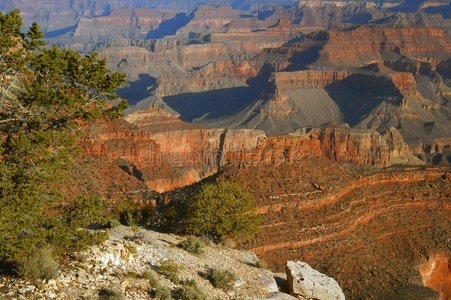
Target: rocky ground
(368, 230)
(120, 261)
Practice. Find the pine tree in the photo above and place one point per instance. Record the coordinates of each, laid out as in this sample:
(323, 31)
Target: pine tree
(35, 37)
(45, 94)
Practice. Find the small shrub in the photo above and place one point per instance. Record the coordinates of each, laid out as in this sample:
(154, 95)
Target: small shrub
(161, 293)
(131, 214)
(170, 270)
(193, 245)
(261, 264)
(156, 290)
(132, 274)
(169, 219)
(126, 211)
(113, 223)
(190, 291)
(228, 243)
(131, 248)
(111, 294)
(150, 277)
(73, 239)
(79, 257)
(38, 265)
(221, 279)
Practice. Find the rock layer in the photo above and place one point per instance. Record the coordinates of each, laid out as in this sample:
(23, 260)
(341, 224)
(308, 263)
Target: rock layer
(331, 217)
(171, 158)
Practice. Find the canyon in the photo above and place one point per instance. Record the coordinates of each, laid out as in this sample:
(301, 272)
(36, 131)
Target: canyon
(335, 115)
(315, 191)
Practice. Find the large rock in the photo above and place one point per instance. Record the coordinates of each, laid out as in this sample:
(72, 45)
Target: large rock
(305, 282)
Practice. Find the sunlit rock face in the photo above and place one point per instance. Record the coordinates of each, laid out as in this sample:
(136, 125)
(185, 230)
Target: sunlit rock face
(436, 274)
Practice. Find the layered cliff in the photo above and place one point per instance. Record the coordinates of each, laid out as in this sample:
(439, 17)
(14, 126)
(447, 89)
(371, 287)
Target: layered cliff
(307, 79)
(166, 153)
(125, 23)
(214, 76)
(227, 68)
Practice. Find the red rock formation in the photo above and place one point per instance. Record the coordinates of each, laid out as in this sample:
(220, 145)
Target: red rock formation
(120, 140)
(132, 24)
(214, 76)
(307, 79)
(146, 19)
(406, 84)
(436, 274)
(367, 44)
(435, 152)
(208, 18)
(155, 120)
(171, 158)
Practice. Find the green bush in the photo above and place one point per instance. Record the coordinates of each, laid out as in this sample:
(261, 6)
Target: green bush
(160, 293)
(69, 231)
(156, 290)
(193, 245)
(111, 294)
(131, 214)
(151, 278)
(221, 279)
(220, 210)
(66, 239)
(38, 265)
(87, 210)
(190, 291)
(170, 269)
(126, 211)
(168, 219)
(131, 248)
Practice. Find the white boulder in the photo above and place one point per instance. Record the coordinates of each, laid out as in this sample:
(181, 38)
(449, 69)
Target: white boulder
(305, 282)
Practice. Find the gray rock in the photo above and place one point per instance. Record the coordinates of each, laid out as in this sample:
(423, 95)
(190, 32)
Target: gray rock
(268, 283)
(278, 296)
(307, 283)
(252, 258)
(238, 283)
(26, 289)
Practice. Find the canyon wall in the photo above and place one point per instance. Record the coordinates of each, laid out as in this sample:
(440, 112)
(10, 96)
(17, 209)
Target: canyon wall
(216, 75)
(307, 79)
(167, 159)
(365, 45)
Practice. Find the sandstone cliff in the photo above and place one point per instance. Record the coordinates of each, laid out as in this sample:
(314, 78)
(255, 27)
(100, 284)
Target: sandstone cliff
(169, 158)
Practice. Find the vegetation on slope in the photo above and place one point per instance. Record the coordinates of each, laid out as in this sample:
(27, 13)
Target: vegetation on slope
(46, 94)
(221, 210)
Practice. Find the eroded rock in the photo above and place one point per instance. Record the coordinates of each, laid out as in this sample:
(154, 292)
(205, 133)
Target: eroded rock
(305, 282)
